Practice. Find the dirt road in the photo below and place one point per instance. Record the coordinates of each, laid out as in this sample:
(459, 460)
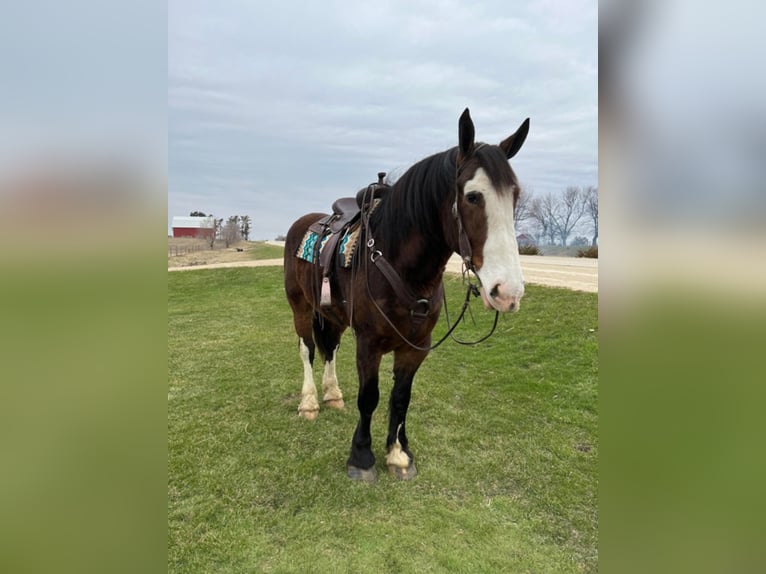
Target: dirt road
(577, 273)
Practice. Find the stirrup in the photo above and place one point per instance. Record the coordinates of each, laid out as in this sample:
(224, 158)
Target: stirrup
(325, 298)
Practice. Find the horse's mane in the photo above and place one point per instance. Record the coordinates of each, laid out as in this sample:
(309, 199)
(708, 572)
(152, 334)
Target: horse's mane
(415, 200)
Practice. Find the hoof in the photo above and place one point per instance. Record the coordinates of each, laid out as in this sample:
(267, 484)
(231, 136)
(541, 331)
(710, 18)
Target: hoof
(400, 473)
(335, 404)
(309, 415)
(365, 475)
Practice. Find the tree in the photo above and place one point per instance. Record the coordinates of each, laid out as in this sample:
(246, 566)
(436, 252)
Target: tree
(523, 209)
(579, 241)
(197, 214)
(216, 225)
(559, 215)
(244, 226)
(230, 232)
(591, 209)
(572, 208)
(540, 211)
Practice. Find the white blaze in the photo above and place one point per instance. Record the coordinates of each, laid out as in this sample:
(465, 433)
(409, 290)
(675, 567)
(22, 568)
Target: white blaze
(501, 267)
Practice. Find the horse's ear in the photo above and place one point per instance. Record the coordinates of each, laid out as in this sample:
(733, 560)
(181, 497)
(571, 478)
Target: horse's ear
(512, 144)
(466, 134)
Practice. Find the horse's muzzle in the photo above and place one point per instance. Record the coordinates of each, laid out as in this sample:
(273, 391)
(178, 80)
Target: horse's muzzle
(501, 298)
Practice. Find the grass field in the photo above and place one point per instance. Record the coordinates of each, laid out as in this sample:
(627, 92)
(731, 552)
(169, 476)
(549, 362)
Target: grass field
(504, 434)
(187, 252)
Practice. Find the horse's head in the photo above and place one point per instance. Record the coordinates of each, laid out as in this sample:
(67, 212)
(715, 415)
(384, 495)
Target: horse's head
(486, 194)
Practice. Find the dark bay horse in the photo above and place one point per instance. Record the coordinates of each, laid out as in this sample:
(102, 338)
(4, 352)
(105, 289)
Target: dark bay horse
(457, 201)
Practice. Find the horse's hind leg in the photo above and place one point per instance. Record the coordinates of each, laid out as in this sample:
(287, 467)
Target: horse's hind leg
(327, 336)
(309, 406)
(302, 318)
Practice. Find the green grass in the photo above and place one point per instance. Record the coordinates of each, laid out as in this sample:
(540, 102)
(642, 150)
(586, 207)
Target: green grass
(262, 250)
(504, 435)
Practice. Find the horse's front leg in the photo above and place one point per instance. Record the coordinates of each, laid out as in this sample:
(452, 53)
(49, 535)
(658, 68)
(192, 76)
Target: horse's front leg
(400, 461)
(361, 461)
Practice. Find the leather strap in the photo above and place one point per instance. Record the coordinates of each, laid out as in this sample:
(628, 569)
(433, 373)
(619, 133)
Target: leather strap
(419, 307)
(464, 244)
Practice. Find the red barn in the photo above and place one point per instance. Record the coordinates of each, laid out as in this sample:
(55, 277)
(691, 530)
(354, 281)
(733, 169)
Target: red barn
(193, 226)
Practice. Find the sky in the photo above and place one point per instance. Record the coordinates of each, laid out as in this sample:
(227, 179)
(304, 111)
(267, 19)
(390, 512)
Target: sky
(276, 109)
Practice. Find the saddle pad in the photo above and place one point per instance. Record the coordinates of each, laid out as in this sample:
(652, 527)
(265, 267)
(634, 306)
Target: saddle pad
(346, 246)
(307, 248)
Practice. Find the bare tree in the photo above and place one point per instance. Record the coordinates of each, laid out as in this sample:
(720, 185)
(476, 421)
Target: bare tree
(523, 209)
(540, 212)
(571, 210)
(591, 209)
(558, 215)
(230, 232)
(215, 225)
(244, 226)
(579, 241)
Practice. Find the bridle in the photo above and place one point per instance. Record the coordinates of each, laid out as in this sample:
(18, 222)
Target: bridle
(464, 244)
(420, 307)
(466, 254)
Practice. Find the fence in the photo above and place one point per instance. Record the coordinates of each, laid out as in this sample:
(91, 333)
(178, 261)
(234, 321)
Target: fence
(176, 250)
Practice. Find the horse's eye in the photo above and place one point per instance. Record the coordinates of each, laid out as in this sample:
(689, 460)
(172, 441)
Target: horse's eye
(473, 197)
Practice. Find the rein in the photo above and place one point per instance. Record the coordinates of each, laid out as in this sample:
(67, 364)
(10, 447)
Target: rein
(475, 291)
(420, 307)
(469, 291)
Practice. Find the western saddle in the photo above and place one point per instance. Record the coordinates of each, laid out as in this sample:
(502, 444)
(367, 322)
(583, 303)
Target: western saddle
(346, 212)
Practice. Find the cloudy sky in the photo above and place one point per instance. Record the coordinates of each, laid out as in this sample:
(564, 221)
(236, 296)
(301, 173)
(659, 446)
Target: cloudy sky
(277, 108)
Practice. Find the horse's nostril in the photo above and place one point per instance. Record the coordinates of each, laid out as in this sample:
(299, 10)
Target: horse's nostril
(494, 291)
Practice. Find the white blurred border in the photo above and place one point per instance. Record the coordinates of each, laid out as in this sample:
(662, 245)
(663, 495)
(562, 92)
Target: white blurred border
(682, 149)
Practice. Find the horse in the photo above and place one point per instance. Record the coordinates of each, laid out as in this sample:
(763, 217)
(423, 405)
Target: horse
(462, 201)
